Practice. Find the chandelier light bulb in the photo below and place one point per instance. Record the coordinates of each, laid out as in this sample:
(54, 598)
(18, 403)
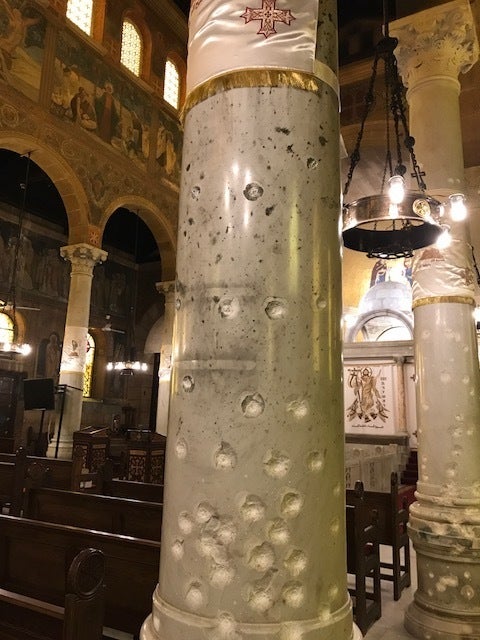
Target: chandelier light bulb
(458, 210)
(444, 239)
(393, 211)
(396, 189)
(15, 348)
(129, 365)
(25, 349)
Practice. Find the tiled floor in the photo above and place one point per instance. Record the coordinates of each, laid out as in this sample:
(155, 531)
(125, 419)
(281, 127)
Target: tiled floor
(390, 626)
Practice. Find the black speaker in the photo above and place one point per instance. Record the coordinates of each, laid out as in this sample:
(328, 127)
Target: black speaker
(39, 393)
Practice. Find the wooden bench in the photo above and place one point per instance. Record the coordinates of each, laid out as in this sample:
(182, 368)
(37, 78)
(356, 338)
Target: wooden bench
(70, 475)
(80, 617)
(91, 511)
(133, 490)
(7, 471)
(392, 511)
(33, 557)
(60, 471)
(363, 561)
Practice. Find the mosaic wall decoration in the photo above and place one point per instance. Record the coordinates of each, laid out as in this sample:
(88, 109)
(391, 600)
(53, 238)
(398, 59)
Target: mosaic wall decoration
(168, 151)
(92, 96)
(22, 37)
(43, 273)
(40, 269)
(391, 270)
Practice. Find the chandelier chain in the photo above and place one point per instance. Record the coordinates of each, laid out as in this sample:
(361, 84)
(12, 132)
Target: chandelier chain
(368, 106)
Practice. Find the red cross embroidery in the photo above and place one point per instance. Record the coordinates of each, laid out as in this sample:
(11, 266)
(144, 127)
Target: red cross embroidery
(268, 14)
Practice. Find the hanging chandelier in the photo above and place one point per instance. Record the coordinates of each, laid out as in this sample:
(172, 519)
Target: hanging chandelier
(127, 367)
(10, 346)
(396, 221)
(132, 365)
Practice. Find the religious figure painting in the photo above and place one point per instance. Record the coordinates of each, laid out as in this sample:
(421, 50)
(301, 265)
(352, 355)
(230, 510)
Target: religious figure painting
(40, 269)
(49, 356)
(368, 401)
(92, 96)
(168, 152)
(22, 37)
(391, 270)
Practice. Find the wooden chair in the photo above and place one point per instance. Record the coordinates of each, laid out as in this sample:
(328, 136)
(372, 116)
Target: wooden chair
(363, 561)
(392, 509)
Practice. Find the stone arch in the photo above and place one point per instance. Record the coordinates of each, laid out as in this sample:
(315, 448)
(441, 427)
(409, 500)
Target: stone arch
(157, 222)
(381, 313)
(154, 338)
(63, 177)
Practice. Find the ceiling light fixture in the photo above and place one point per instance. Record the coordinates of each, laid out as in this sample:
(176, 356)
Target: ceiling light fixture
(393, 224)
(129, 367)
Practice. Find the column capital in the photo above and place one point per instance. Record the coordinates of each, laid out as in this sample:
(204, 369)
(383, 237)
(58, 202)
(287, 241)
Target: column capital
(439, 42)
(83, 256)
(167, 288)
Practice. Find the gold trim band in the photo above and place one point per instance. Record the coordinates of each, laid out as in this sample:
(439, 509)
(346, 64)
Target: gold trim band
(254, 78)
(422, 302)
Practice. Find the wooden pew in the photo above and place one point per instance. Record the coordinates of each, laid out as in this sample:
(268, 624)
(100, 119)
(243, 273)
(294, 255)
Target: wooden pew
(60, 471)
(363, 561)
(80, 617)
(7, 471)
(392, 511)
(102, 482)
(33, 557)
(91, 511)
(133, 490)
(68, 475)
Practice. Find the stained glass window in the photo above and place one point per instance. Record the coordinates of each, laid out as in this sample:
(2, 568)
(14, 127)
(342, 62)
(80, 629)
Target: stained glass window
(80, 13)
(131, 53)
(89, 360)
(171, 84)
(6, 328)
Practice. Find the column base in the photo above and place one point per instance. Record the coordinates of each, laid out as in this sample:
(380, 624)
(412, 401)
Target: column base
(65, 448)
(445, 535)
(422, 624)
(169, 623)
(148, 632)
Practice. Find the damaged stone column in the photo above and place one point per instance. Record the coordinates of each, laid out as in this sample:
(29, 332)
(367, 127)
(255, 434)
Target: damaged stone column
(164, 372)
(435, 45)
(253, 537)
(83, 258)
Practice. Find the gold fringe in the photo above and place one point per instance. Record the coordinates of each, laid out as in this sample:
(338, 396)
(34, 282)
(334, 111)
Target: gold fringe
(422, 302)
(252, 78)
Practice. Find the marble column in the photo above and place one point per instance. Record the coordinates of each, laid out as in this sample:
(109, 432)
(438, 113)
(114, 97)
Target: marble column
(165, 368)
(253, 536)
(83, 258)
(435, 45)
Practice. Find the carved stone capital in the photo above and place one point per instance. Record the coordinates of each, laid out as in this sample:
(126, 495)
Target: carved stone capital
(168, 290)
(439, 42)
(83, 257)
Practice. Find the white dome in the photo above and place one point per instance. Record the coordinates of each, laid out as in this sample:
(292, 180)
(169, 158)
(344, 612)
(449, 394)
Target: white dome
(389, 295)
